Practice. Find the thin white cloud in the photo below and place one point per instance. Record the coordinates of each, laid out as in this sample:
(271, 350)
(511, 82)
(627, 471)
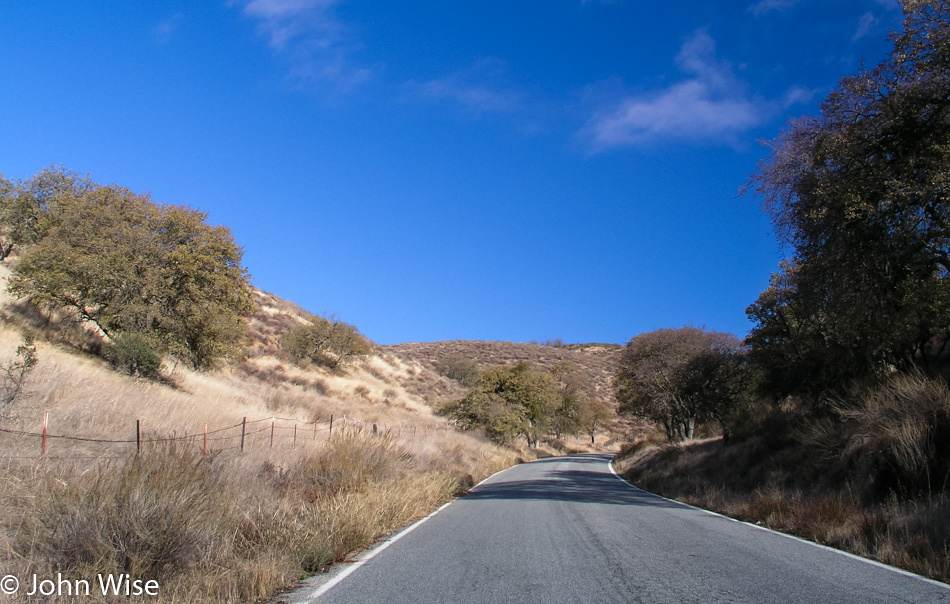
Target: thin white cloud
(709, 105)
(866, 25)
(767, 6)
(163, 32)
(477, 99)
(797, 95)
(308, 33)
(476, 90)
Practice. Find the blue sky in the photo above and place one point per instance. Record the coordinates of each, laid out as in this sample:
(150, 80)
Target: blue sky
(438, 170)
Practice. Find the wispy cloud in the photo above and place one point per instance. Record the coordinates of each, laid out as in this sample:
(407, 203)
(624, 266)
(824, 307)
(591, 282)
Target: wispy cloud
(477, 90)
(163, 32)
(866, 25)
(709, 105)
(308, 33)
(797, 95)
(766, 6)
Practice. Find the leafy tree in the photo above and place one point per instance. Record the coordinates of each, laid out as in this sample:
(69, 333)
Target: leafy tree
(22, 204)
(347, 343)
(329, 342)
(509, 402)
(205, 293)
(127, 265)
(12, 223)
(719, 379)
(861, 194)
(572, 385)
(592, 416)
(657, 379)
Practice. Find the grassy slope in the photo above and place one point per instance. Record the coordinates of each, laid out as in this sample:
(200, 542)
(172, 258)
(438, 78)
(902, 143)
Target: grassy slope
(258, 519)
(254, 520)
(598, 361)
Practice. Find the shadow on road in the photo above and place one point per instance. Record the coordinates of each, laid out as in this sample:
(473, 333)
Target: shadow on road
(578, 486)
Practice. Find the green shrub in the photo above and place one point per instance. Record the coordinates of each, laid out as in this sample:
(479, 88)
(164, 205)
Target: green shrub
(132, 354)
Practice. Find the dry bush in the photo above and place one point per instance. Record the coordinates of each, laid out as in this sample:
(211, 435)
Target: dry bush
(353, 457)
(232, 529)
(152, 516)
(901, 433)
(361, 391)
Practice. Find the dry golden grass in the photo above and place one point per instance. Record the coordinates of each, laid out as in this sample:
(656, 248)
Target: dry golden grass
(227, 525)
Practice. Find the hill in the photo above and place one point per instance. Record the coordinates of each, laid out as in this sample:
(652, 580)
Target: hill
(224, 484)
(598, 361)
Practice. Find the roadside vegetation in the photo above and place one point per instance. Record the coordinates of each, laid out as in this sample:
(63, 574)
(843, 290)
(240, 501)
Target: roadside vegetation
(223, 525)
(832, 419)
(128, 324)
(508, 402)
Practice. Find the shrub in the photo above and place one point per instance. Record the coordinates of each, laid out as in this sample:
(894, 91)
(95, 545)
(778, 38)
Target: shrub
(327, 342)
(14, 373)
(461, 369)
(902, 431)
(133, 355)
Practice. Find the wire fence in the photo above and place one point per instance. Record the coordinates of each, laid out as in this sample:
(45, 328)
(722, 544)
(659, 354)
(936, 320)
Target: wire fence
(235, 437)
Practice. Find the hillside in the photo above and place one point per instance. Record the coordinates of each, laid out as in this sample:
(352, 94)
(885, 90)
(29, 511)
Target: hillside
(228, 483)
(598, 361)
(224, 484)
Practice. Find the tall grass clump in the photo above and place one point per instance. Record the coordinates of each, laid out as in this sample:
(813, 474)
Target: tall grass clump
(155, 516)
(221, 528)
(901, 432)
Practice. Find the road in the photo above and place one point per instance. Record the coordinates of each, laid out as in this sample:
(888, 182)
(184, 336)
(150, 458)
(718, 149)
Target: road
(568, 530)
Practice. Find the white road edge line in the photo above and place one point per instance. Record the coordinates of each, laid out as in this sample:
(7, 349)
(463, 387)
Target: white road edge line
(370, 554)
(901, 571)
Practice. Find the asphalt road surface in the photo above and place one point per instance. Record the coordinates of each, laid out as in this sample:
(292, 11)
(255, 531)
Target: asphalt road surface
(567, 529)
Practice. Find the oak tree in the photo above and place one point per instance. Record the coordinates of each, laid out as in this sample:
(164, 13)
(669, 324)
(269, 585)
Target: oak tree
(861, 193)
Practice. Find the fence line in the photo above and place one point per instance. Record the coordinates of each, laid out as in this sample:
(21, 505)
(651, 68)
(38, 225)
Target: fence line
(216, 436)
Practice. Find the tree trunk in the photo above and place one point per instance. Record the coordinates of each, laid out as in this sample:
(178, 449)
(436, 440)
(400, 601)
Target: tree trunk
(686, 428)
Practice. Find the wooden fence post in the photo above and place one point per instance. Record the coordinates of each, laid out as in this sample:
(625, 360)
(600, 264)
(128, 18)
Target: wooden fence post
(273, 421)
(243, 431)
(295, 436)
(331, 426)
(138, 435)
(45, 423)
